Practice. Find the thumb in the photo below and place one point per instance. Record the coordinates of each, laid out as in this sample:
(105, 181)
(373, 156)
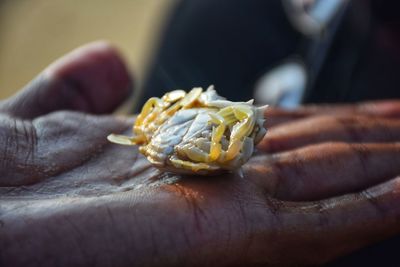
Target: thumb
(92, 78)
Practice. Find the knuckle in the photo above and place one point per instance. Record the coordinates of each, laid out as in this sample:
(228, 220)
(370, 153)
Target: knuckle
(18, 151)
(19, 139)
(369, 197)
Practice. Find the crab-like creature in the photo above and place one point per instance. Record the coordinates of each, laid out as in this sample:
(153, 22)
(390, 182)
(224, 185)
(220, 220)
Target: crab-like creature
(196, 132)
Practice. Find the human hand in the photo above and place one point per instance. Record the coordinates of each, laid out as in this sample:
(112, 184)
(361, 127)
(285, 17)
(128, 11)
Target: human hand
(68, 197)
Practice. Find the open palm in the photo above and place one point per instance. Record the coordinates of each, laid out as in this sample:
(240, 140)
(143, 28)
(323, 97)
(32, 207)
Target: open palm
(319, 187)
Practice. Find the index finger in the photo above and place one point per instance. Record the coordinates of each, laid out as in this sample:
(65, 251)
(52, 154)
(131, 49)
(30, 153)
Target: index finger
(382, 108)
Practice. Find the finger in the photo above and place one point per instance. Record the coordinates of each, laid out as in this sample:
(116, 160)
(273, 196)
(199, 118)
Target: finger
(325, 170)
(52, 144)
(330, 128)
(334, 227)
(383, 108)
(92, 79)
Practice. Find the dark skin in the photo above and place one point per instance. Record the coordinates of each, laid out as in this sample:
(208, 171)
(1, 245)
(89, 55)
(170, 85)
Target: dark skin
(320, 186)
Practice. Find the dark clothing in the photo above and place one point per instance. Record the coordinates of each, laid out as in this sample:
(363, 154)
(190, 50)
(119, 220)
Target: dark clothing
(231, 43)
(226, 43)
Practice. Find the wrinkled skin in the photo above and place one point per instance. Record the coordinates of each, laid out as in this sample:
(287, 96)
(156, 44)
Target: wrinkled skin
(322, 184)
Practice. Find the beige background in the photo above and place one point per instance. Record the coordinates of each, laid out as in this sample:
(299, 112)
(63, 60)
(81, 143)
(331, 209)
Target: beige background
(33, 33)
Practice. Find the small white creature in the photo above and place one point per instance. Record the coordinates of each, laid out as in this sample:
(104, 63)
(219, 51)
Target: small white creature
(196, 132)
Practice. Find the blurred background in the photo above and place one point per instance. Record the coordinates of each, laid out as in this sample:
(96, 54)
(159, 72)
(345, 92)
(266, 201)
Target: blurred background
(33, 33)
(283, 53)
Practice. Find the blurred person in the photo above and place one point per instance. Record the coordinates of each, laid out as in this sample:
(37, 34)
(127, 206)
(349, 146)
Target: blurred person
(347, 50)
